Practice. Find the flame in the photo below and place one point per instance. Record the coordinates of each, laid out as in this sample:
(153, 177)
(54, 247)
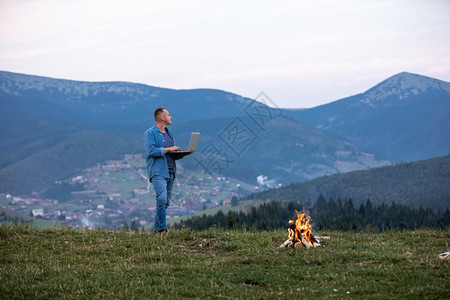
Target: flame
(301, 228)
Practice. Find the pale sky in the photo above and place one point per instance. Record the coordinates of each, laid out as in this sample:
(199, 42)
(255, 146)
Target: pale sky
(299, 53)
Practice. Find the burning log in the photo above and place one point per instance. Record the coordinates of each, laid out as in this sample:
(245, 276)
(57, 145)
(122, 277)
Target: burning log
(287, 243)
(300, 235)
(319, 238)
(299, 245)
(305, 242)
(302, 243)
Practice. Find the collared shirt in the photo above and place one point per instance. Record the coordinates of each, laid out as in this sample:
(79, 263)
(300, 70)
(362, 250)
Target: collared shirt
(155, 156)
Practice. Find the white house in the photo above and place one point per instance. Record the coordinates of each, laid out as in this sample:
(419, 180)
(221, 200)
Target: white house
(38, 212)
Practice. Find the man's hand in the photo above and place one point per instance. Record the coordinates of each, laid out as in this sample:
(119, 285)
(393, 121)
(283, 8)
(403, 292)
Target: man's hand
(174, 148)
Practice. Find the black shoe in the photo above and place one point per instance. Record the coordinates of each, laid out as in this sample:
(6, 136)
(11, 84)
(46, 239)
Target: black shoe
(160, 231)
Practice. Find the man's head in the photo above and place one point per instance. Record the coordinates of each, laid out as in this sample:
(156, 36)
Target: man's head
(162, 116)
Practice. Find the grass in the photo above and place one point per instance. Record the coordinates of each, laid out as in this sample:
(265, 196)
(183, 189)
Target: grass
(215, 264)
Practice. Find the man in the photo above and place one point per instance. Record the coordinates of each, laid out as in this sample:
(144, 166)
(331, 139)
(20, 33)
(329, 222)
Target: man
(161, 166)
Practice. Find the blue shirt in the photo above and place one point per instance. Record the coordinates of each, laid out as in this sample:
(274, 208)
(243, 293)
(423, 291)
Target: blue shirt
(168, 142)
(155, 156)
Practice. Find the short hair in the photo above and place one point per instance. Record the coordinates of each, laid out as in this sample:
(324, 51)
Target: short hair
(158, 112)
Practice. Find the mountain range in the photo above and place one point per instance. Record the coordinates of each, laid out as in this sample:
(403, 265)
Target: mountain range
(404, 118)
(53, 128)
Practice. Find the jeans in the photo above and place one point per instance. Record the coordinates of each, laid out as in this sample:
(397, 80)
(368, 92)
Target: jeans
(163, 189)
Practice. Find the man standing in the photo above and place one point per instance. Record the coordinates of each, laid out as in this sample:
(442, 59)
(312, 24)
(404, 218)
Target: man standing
(161, 166)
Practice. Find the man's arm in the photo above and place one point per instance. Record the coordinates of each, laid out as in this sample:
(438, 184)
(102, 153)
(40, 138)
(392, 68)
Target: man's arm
(150, 146)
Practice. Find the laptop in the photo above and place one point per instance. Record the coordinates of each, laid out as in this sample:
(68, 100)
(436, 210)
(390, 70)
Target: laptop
(193, 144)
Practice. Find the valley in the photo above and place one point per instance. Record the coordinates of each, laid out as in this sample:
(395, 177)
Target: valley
(117, 195)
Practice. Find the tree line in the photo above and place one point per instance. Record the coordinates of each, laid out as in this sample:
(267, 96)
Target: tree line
(331, 214)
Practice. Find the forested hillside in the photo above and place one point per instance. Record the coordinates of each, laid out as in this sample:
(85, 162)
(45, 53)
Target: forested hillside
(425, 183)
(327, 215)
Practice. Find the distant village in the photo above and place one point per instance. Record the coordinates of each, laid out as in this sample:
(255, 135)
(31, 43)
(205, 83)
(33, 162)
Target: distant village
(118, 195)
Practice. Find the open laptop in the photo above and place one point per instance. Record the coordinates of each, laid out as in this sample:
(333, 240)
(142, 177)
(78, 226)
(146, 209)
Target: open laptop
(193, 144)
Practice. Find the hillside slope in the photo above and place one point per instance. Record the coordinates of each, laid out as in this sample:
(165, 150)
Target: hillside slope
(422, 183)
(35, 159)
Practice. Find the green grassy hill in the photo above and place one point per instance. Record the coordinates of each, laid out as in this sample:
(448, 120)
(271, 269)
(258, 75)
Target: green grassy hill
(215, 264)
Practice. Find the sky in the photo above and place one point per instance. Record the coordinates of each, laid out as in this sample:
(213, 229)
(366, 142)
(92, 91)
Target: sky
(299, 53)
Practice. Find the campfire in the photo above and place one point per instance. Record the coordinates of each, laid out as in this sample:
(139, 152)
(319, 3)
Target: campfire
(300, 233)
